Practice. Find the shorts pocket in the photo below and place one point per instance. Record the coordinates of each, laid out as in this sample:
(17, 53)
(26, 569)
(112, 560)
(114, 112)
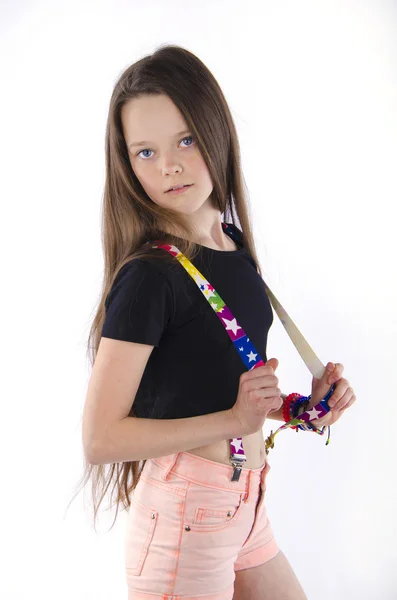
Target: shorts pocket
(208, 515)
(141, 525)
(212, 516)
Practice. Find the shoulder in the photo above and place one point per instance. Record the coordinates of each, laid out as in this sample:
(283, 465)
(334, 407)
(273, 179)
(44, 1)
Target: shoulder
(140, 304)
(139, 278)
(152, 263)
(134, 270)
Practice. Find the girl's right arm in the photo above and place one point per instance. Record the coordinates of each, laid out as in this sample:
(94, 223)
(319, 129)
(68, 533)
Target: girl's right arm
(110, 435)
(135, 438)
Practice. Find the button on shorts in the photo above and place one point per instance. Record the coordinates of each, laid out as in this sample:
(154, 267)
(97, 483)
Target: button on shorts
(189, 528)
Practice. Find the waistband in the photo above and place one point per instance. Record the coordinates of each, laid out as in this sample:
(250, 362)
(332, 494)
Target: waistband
(207, 472)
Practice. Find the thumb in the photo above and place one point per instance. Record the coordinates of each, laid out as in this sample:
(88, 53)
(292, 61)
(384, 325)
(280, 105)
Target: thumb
(272, 362)
(322, 385)
(326, 373)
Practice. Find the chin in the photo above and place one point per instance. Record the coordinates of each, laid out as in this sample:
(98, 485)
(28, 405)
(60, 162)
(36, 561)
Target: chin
(183, 206)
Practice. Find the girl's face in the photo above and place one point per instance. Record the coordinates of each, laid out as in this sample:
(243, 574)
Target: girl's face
(168, 157)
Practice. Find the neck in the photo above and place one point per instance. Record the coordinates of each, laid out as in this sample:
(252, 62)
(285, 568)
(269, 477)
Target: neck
(208, 224)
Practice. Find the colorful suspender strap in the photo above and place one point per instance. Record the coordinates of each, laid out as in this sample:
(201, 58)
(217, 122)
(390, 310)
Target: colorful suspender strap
(247, 351)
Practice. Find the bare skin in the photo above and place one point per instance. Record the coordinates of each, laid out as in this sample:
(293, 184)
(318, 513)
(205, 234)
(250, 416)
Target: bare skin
(272, 580)
(254, 449)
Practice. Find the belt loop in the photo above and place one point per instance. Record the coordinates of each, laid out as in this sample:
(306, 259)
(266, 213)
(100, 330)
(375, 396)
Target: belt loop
(171, 463)
(248, 486)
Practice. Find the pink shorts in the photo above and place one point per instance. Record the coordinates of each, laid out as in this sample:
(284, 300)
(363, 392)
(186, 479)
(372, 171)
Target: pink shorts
(189, 528)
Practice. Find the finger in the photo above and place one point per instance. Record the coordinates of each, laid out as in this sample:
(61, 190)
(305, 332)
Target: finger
(336, 373)
(349, 404)
(340, 390)
(345, 399)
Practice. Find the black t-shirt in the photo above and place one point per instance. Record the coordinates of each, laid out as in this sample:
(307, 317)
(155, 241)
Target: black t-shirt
(194, 368)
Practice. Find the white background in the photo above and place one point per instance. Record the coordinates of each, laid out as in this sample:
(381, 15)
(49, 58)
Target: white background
(312, 87)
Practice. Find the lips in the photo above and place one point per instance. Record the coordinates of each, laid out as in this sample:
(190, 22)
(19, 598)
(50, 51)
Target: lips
(187, 185)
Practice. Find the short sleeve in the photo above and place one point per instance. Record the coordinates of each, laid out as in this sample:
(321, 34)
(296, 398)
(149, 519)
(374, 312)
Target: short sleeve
(139, 306)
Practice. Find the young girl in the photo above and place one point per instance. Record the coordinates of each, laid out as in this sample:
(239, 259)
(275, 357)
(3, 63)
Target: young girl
(168, 391)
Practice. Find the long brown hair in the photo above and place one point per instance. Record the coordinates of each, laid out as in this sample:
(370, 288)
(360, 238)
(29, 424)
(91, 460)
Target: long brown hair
(130, 218)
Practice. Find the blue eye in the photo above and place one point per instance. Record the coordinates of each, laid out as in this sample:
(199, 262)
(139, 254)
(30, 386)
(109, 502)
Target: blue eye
(189, 137)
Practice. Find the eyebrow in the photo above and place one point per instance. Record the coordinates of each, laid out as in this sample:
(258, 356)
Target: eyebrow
(146, 142)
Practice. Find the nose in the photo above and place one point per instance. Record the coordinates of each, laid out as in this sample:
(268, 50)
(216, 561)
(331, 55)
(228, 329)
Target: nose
(171, 169)
(170, 164)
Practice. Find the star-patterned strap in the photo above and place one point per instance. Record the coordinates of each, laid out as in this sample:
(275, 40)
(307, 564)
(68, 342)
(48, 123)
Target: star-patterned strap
(244, 346)
(318, 411)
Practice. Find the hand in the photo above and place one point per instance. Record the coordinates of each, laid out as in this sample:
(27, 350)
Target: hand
(342, 398)
(258, 394)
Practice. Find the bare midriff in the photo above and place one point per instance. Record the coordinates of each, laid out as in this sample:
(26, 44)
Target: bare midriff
(254, 449)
